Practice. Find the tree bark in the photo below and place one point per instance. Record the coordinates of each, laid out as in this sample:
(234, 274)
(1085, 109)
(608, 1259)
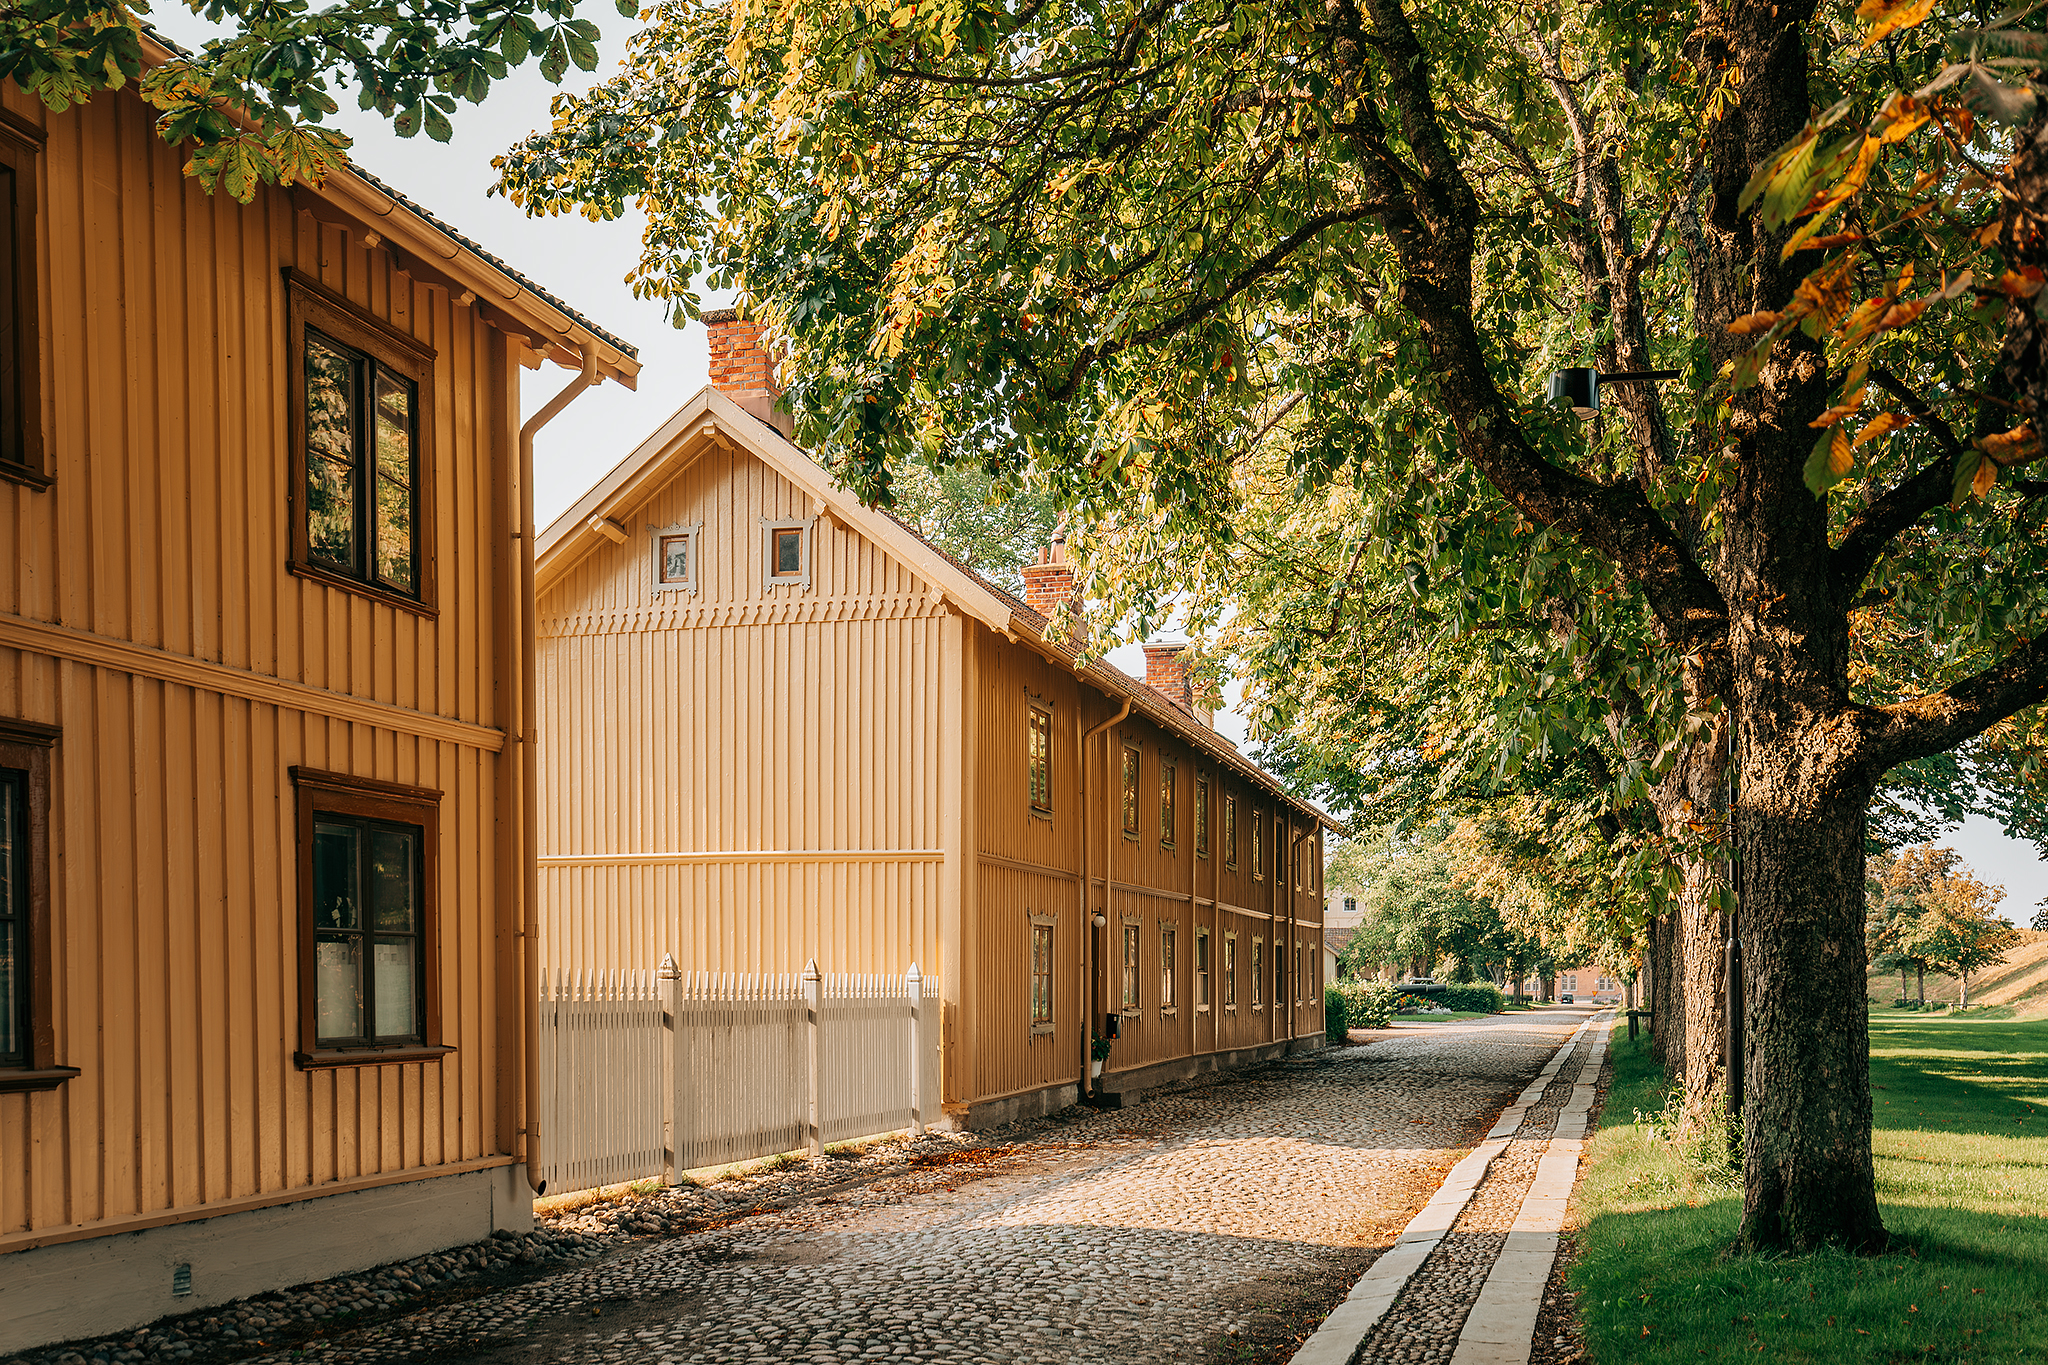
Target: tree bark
(1963, 983)
(1667, 999)
(1808, 1177)
(1921, 970)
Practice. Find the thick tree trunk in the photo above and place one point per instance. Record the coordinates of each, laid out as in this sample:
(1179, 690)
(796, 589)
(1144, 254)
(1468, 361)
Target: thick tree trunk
(1922, 971)
(1905, 986)
(1667, 999)
(1703, 932)
(1963, 983)
(1808, 1178)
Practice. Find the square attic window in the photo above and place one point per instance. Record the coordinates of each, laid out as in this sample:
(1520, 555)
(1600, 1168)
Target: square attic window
(675, 557)
(786, 552)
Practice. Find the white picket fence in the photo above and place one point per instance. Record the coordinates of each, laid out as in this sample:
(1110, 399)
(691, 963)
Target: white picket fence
(650, 1074)
(600, 1049)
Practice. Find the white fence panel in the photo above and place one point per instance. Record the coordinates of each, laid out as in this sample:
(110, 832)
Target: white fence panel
(599, 1105)
(741, 1059)
(864, 1029)
(739, 1064)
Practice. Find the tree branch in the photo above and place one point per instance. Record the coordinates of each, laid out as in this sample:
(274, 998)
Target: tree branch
(1863, 544)
(1940, 721)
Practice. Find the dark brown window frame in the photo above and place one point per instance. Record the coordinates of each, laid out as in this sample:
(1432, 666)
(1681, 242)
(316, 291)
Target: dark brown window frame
(312, 304)
(1169, 967)
(22, 446)
(1230, 830)
(1049, 925)
(26, 746)
(1133, 992)
(1033, 731)
(1201, 815)
(1202, 968)
(1169, 802)
(1133, 776)
(1258, 846)
(341, 794)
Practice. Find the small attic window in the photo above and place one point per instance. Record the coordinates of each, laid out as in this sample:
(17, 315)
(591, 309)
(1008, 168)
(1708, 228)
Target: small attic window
(786, 552)
(675, 557)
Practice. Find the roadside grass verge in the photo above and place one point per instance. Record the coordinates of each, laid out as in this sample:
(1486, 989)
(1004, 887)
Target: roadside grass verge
(1961, 1143)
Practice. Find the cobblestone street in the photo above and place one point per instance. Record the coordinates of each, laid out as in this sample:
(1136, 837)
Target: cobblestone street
(1143, 1235)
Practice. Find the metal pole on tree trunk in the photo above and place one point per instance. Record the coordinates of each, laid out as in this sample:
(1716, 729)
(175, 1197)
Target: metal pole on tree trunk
(816, 1121)
(914, 983)
(671, 1165)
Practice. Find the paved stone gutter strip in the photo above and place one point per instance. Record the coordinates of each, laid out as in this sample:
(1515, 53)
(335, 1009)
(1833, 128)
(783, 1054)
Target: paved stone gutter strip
(1344, 1332)
(1502, 1324)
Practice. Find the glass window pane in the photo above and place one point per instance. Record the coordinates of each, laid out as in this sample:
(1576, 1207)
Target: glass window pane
(392, 881)
(12, 969)
(394, 534)
(394, 428)
(789, 552)
(331, 512)
(331, 385)
(396, 512)
(675, 559)
(336, 896)
(337, 987)
(397, 1009)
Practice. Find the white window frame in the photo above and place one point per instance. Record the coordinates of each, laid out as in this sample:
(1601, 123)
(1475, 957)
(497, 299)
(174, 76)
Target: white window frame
(769, 526)
(657, 534)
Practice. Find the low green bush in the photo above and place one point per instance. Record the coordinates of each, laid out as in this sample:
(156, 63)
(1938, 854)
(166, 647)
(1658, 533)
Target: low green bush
(1480, 997)
(1358, 1004)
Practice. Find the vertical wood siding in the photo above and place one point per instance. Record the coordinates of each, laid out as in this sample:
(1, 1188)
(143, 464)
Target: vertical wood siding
(1157, 884)
(173, 844)
(748, 777)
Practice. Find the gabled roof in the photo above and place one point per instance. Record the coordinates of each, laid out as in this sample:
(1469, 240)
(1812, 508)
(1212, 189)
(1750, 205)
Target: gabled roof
(711, 420)
(430, 249)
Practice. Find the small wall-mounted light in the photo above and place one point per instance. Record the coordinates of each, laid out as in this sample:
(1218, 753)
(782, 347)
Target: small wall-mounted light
(1580, 385)
(1101, 920)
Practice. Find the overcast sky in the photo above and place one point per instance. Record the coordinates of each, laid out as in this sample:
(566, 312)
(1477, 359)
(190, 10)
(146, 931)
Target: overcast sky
(585, 263)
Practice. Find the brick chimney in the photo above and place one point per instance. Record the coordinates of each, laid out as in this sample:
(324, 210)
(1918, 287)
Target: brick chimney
(1049, 584)
(742, 368)
(1166, 672)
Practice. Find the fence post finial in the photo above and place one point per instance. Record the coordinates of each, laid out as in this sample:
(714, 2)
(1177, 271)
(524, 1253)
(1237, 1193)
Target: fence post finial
(914, 975)
(811, 972)
(669, 971)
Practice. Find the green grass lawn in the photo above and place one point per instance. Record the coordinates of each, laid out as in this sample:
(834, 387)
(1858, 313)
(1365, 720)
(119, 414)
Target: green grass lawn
(1961, 1144)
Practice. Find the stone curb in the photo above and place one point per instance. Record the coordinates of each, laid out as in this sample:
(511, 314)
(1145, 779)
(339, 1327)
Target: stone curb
(1343, 1332)
(1502, 1324)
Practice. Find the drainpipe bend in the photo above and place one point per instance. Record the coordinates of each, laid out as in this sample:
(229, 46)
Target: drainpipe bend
(529, 767)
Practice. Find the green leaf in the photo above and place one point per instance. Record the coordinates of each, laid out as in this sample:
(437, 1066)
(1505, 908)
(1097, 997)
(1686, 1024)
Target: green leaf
(554, 61)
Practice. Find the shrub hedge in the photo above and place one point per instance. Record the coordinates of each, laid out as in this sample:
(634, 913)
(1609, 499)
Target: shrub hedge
(1357, 1004)
(1482, 997)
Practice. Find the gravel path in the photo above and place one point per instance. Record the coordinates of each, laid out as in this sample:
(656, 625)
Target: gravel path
(1161, 1233)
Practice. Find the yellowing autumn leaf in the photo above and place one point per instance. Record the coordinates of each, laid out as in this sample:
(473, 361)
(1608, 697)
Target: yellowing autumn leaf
(1891, 18)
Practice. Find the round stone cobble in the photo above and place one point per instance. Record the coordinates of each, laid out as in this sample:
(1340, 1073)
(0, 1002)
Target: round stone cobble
(1127, 1236)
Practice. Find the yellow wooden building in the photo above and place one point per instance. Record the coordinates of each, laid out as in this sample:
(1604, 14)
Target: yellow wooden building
(778, 726)
(262, 671)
